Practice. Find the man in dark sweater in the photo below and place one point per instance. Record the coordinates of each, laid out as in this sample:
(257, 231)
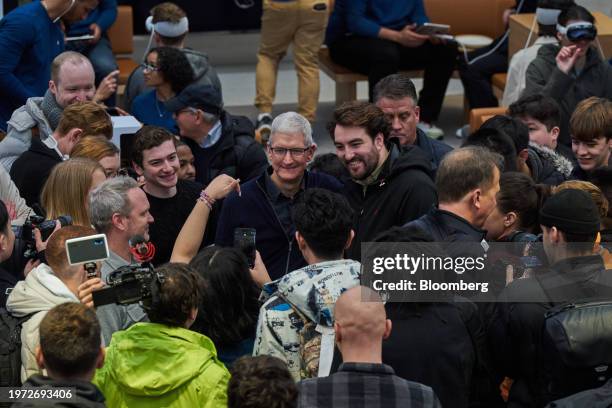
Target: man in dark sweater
(221, 143)
(390, 185)
(31, 170)
(71, 351)
(266, 202)
(154, 157)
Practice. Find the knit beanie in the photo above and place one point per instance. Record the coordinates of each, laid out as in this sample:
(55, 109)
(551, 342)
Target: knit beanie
(572, 211)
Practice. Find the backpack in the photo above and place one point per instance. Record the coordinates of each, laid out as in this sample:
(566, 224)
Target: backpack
(10, 348)
(576, 349)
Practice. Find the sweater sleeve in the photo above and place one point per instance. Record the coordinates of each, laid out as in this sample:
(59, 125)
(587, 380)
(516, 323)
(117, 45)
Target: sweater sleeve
(357, 21)
(16, 34)
(108, 14)
(226, 224)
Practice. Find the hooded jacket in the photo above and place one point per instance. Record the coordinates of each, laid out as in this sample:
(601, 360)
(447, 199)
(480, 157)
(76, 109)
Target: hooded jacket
(403, 191)
(547, 166)
(19, 132)
(313, 291)
(204, 74)
(152, 364)
(36, 295)
(544, 77)
(86, 395)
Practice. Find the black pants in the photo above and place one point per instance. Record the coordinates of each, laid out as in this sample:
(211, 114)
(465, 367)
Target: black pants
(378, 58)
(476, 78)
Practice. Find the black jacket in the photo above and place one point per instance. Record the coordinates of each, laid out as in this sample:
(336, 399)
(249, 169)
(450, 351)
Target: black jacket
(445, 226)
(403, 191)
(31, 170)
(236, 154)
(435, 149)
(515, 332)
(595, 398)
(547, 166)
(87, 394)
(544, 77)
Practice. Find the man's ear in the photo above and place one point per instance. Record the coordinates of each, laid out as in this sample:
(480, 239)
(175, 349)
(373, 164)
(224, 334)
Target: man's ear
(554, 132)
(475, 198)
(119, 222)
(524, 155)
(388, 327)
(101, 357)
(300, 241)
(510, 218)
(337, 332)
(40, 359)
(556, 235)
(417, 113)
(349, 240)
(379, 141)
(139, 170)
(53, 87)
(74, 135)
(310, 153)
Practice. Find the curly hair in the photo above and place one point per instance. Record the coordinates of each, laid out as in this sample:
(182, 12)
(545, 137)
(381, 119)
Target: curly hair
(259, 382)
(174, 67)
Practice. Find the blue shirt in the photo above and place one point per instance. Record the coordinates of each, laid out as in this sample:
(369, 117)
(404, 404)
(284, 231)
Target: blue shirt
(213, 136)
(29, 41)
(366, 17)
(147, 109)
(104, 15)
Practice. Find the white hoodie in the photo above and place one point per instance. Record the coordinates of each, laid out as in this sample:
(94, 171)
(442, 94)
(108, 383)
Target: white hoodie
(38, 293)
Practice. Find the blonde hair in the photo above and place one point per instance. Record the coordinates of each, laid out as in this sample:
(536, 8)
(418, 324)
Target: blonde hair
(94, 147)
(65, 191)
(595, 192)
(592, 119)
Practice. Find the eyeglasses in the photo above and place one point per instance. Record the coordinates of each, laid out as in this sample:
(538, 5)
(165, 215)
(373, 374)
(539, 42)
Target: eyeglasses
(148, 67)
(282, 151)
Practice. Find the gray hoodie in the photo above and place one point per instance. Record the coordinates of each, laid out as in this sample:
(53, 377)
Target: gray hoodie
(204, 74)
(19, 131)
(37, 294)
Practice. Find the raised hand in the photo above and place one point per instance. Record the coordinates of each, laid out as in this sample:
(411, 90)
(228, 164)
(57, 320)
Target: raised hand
(566, 58)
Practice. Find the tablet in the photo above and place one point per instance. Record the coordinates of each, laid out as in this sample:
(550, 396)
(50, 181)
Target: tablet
(431, 29)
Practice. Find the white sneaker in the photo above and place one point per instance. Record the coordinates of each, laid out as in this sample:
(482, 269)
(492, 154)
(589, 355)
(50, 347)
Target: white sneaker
(431, 131)
(463, 132)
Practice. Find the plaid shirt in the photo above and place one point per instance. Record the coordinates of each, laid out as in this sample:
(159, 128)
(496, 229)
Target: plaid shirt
(366, 385)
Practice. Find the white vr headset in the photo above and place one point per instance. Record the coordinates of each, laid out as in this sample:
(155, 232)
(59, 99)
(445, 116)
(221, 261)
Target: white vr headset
(166, 28)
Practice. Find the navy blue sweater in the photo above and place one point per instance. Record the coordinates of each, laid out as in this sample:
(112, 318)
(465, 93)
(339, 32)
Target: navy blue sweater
(277, 248)
(29, 42)
(104, 15)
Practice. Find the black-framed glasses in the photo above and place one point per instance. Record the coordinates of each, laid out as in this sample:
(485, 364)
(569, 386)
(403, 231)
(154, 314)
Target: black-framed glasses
(294, 152)
(148, 67)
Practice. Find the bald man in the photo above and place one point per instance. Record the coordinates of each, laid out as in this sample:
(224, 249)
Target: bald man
(361, 325)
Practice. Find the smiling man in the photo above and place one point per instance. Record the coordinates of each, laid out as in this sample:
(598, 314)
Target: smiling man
(391, 185)
(591, 127)
(266, 202)
(154, 157)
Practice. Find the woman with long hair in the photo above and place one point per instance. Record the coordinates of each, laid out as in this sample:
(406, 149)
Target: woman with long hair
(99, 149)
(67, 189)
(168, 71)
(230, 306)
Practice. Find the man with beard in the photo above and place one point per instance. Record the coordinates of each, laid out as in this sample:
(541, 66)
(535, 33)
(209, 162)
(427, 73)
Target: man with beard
(390, 185)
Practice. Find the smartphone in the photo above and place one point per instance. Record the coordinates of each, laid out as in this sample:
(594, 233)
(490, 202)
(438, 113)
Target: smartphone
(432, 29)
(80, 38)
(244, 240)
(87, 249)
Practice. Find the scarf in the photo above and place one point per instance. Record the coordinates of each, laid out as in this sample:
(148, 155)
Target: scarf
(51, 109)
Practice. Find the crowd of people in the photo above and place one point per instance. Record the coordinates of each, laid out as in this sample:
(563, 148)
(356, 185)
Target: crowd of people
(287, 320)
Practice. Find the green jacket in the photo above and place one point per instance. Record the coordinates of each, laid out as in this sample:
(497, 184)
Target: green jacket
(151, 364)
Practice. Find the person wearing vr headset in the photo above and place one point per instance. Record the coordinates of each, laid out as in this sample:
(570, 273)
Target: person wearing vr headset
(573, 70)
(31, 37)
(169, 26)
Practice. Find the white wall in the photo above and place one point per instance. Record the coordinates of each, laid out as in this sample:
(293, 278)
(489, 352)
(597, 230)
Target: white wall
(605, 6)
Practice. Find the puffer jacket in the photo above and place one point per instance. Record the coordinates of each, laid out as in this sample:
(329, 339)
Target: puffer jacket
(154, 365)
(36, 295)
(312, 291)
(547, 166)
(19, 132)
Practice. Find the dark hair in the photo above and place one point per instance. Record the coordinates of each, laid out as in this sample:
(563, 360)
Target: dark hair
(539, 107)
(551, 30)
(329, 163)
(325, 220)
(70, 339)
(465, 169)
(520, 194)
(174, 299)
(513, 128)
(362, 115)
(174, 67)
(261, 382)
(395, 87)
(148, 137)
(495, 141)
(575, 12)
(602, 178)
(229, 307)
(4, 218)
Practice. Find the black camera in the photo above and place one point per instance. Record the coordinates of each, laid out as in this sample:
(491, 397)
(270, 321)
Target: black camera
(129, 284)
(24, 235)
